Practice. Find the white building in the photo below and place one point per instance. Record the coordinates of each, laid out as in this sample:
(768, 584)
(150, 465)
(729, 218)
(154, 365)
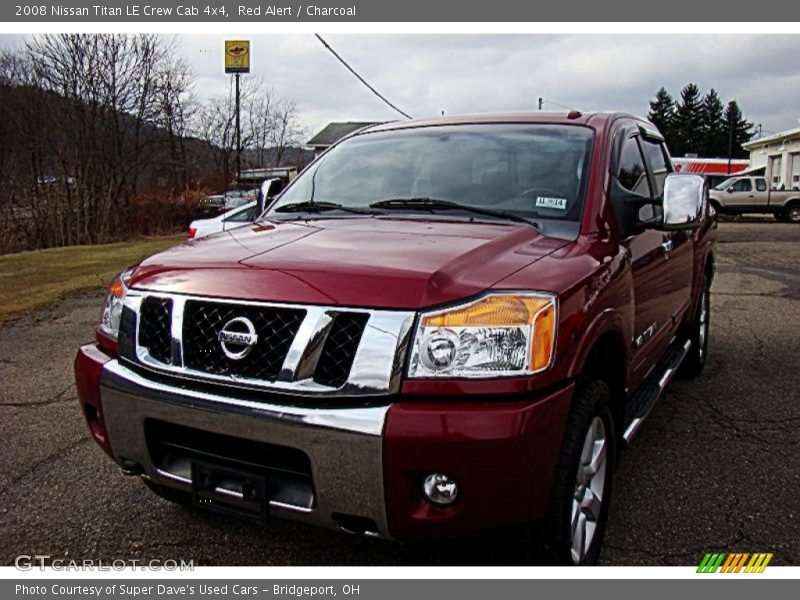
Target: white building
(779, 155)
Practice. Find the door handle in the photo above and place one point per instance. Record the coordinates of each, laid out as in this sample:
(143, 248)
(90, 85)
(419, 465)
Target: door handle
(666, 246)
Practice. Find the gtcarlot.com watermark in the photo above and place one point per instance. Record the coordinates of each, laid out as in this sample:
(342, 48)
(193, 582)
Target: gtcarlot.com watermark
(29, 562)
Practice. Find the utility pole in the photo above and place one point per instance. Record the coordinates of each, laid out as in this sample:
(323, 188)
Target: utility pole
(237, 61)
(238, 134)
(730, 139)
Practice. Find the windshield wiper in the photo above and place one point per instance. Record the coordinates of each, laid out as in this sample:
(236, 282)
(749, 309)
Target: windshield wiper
(433, 204)
(317, 207)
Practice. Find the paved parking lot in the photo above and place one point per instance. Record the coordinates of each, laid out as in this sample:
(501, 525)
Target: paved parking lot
(716, 467)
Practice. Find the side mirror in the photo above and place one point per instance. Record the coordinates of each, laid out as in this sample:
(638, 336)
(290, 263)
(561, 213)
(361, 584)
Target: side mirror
(729, 189)
(684, 197)
(263, 196)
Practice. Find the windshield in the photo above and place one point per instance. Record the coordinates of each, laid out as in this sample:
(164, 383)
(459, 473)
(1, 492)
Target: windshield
(533, 171)
(726, 184)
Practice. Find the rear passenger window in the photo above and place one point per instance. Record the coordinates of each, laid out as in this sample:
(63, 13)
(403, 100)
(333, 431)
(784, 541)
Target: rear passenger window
(632, 173)
(657, 160)
(761, 185)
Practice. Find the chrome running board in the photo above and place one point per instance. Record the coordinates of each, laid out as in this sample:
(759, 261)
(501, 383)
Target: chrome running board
(650, 391)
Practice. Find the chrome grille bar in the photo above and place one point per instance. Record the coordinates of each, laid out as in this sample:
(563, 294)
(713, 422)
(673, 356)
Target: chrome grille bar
(306, 344)
(178, 307)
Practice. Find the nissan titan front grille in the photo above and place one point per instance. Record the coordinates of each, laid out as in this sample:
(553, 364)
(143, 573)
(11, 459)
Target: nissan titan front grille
(307, 350)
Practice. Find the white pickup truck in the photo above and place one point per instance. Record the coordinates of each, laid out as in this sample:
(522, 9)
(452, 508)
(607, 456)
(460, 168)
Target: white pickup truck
(739, 195)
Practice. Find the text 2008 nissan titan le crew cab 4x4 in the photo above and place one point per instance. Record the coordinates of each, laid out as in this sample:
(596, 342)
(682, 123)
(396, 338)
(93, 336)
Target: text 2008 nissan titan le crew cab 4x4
(439, 328)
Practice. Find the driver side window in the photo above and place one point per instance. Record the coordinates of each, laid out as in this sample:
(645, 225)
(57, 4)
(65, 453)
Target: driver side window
(632, 173)
(743, 185)
(657, 157)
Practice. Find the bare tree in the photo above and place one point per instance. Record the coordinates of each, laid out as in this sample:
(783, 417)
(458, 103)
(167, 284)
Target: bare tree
(272, 124)
(92, 126)
(92, 119)
(178, 106)
(286, 130)
(260, 120)
(216, 123)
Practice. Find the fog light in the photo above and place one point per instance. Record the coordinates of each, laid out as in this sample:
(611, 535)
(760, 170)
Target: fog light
(440, 489)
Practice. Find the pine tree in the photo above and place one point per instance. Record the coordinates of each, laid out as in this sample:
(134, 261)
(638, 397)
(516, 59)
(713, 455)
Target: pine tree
(689, 122)
(715, 129)
(662, 114)
(742, 129)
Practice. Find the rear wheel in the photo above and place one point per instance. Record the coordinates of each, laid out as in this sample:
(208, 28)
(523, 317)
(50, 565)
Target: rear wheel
(582, 491)
(791, 214)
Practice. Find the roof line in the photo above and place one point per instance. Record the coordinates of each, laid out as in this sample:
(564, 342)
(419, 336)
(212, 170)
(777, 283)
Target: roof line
(777, 137)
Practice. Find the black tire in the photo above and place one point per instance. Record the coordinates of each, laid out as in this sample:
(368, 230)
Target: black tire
(169, 494)
(590, 404)
(698, 332)
(791, 214)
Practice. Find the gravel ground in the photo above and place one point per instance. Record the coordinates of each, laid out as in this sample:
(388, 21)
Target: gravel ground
(715, 468)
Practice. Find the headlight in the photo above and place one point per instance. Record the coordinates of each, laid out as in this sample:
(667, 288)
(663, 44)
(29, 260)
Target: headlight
(112, 311)
(499, 335)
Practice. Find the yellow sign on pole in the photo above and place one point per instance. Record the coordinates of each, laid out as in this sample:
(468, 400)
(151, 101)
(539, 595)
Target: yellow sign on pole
(237, 56)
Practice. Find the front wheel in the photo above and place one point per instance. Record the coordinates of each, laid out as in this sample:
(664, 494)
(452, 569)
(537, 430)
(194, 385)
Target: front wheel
(580, 500)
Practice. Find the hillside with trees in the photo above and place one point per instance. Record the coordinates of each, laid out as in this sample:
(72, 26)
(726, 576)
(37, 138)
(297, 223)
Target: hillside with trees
(103, 137)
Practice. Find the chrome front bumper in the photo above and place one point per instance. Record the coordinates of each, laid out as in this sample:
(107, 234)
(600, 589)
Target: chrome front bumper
(344, 445)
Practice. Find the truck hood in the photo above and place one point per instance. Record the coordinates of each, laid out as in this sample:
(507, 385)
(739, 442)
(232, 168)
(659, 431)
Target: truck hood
(375, 262)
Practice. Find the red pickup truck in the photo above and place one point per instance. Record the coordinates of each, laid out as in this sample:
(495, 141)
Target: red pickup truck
(439, 328)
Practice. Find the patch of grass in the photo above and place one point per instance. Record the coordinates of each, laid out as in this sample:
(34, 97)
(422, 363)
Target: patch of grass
(29, 280)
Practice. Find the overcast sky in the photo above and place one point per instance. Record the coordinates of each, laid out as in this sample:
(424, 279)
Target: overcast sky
(425, 74)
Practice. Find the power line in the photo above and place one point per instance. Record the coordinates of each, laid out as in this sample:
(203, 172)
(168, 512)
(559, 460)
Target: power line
(360, 78)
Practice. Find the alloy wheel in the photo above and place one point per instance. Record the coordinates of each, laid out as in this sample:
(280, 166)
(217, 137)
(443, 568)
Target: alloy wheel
(590, 483)
(703, 332)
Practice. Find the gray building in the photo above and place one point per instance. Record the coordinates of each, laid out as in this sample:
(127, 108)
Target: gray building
(779, 156)
(333, 132)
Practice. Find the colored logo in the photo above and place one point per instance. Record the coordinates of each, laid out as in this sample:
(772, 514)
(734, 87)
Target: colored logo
(237, 51)
(237, 56)
(737, 562)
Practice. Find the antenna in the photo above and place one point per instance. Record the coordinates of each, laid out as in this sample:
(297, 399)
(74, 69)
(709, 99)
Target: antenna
(554, 103)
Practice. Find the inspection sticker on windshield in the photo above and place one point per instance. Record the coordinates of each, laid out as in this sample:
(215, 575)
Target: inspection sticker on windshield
(547, 202)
